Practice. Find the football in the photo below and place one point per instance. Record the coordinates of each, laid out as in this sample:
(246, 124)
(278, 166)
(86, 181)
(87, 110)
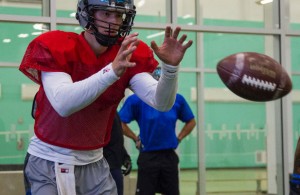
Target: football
(254, 76)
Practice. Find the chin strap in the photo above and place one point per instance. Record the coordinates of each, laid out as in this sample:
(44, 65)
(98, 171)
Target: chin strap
(104, 40)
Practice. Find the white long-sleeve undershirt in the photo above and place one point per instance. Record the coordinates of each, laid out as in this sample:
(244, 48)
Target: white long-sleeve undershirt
(68, 97)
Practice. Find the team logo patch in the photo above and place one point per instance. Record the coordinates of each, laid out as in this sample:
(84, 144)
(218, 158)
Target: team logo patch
(105, 70)
(64, 170)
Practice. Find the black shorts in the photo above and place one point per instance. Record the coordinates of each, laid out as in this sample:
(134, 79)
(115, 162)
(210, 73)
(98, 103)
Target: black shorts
(294, 189)
(158, 173)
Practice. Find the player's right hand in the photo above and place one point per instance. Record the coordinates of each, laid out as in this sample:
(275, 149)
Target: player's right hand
(122, 60)
(138, 143)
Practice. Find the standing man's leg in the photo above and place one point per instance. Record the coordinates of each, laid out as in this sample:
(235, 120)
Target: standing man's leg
(26, 182)
(169, 177)
(118, 177)
(148, 173)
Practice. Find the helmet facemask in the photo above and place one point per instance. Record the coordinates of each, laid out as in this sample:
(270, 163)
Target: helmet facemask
(85, 15)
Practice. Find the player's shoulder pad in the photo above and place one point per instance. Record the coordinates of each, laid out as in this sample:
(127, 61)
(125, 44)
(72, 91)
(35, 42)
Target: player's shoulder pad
(58, 39)
(142, 50)
(144, 58)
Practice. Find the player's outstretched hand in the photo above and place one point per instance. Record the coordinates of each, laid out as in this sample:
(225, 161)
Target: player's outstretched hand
(122, 60)
(172, 50)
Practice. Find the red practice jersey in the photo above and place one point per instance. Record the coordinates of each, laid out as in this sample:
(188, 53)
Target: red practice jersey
(58, 51)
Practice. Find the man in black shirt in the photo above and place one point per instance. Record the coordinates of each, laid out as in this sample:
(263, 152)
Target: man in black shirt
(117, 156)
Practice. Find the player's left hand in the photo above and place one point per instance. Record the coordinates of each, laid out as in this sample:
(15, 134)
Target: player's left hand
(172, 50)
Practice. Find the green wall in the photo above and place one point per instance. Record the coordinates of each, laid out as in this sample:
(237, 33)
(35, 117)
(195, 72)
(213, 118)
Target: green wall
(222, 149)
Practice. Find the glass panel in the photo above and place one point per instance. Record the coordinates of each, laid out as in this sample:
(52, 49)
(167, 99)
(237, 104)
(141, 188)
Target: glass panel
(15, 37)
(294, 14)
(295, 53)
(296, 109)
(66, 9)
(16, 124)
(70, 28)
(246, 13)
(235, 140)
(219, 45)
(151, 11)
(235, 129)
(146, 12)
(186, 12)
(295, 61)
(188, 148)
(24, 7)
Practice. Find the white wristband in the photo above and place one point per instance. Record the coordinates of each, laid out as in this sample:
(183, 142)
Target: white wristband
(169, 71)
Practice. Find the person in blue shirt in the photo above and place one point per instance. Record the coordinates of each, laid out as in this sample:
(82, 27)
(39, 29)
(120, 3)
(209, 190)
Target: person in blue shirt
(157, 161)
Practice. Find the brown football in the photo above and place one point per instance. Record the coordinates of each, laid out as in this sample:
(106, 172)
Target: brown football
(254, 76)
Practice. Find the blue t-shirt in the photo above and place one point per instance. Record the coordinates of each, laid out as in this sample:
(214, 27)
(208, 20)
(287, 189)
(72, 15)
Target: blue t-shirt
(157, 129)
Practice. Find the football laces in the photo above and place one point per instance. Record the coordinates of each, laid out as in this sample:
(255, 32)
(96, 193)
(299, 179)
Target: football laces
(257, 83)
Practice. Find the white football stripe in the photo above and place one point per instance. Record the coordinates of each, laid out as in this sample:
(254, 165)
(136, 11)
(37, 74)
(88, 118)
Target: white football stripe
(239, 62)
(264, 85)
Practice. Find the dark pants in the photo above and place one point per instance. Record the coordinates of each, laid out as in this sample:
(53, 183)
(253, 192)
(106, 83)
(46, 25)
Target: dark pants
(295, 183)
(158, 173)
(26, 182)
(294, 189)
(118, 177)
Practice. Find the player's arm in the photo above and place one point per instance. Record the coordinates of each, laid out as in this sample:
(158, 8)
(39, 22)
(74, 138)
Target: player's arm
(129, 133)
(160, 95)
(68, 97)
(187, 129)
(171, 52)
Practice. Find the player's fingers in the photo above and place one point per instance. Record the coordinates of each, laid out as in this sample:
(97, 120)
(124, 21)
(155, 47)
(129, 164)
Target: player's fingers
(132, 47)
(126, 64)
(154, 46)
(126, 54)
(188, 44)
(130, 50)
(134, 44)
(176, 32)
(130, 64)
(134, 34)
(130, 39)
(182, 38)
(126, 44)
(168, 32)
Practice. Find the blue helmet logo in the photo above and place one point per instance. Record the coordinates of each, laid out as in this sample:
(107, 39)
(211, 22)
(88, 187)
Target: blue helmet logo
(157, 73)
